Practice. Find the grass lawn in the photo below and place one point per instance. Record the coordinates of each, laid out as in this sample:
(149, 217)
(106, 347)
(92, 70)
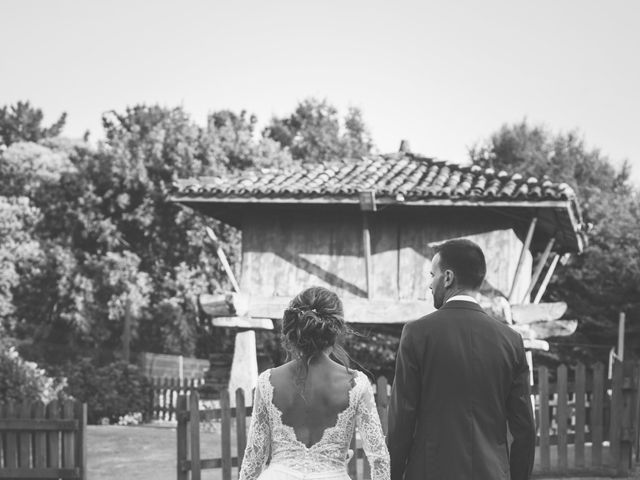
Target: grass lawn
(149, 453)
(141, 453)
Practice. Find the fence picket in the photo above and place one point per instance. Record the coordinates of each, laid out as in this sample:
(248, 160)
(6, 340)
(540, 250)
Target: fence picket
(68, 440)
(194, 427)
(40, 438)
(241, 425)
(562, 416)
(597, 412)
(225, 430)
(543, 382)
(53, 438)
(580, 415)
(11, 451)
(616, 413)
(182, 473)
(81, 438)
(24, 446)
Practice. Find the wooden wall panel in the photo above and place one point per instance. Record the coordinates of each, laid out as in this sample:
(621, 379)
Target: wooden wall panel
(283, 255)
(286, 252)
(384, 254)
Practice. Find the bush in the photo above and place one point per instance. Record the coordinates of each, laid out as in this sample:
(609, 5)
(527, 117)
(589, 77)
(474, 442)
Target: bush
(24, 381)
(112, 391)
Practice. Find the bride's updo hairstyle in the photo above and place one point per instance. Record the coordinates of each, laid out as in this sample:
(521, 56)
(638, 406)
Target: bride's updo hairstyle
(313, 322)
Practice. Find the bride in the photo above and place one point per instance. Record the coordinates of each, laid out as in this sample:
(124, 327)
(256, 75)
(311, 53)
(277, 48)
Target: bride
(305, 411)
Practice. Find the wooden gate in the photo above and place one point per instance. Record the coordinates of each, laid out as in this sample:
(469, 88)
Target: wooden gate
(38, 441)
(586, 425)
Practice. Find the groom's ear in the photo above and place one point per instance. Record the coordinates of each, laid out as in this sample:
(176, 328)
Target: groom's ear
(449, 278)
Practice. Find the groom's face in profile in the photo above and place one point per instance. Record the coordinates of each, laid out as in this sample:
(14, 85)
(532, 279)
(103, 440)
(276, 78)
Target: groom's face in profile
(437, 282)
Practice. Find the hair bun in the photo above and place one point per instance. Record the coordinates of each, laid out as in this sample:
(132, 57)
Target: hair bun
(313, 321)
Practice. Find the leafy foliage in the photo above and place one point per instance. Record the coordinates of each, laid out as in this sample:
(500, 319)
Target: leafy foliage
(313, 133)
(605, 279)
(111, 391)
(24, 381)
(22, 122)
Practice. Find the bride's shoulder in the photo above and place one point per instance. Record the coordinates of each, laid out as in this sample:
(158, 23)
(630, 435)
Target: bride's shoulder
(360, 378)
(263, 378)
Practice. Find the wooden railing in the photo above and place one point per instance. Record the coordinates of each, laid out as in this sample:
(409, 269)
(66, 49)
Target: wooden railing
(585, 424)
(165, 393)
(38, 441)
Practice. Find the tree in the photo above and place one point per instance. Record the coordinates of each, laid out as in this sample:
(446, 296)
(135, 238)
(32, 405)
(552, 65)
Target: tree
(312, 133)
(23, 123)
(605, 279)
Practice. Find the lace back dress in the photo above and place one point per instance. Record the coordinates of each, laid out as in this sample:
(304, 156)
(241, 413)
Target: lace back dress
(270, 438)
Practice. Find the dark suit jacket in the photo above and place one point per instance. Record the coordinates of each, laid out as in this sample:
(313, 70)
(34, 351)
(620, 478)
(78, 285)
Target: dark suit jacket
(461, 376)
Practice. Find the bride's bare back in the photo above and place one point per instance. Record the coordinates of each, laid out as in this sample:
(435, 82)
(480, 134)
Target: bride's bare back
(316, 408)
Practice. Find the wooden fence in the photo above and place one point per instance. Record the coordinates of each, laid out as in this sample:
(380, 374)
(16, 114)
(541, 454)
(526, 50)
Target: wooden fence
(38, 441)
(586, 425)
(165, 393)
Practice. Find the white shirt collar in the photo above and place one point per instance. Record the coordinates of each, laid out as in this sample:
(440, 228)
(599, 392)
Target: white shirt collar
(462, 298)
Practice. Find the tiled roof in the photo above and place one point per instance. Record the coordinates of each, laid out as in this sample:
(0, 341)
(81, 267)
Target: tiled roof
(414, 178)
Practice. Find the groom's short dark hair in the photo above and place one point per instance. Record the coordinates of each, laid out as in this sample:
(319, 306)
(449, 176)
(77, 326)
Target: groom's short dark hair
(465, 259)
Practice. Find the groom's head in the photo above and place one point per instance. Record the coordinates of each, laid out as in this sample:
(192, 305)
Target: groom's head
(457, 267)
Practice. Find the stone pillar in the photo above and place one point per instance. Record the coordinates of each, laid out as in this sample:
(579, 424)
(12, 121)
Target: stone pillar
(244, 368)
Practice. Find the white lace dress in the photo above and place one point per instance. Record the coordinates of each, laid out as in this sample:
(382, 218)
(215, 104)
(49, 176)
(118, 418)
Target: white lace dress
(269, 438)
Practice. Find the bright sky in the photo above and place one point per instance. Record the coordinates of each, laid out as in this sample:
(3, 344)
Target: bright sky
(443, 74)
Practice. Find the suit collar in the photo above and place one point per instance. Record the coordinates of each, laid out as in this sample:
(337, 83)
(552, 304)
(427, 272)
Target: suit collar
(455, 304)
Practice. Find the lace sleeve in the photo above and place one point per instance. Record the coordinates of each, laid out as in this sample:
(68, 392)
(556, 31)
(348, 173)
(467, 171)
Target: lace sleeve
(259, 440)
(368, 424)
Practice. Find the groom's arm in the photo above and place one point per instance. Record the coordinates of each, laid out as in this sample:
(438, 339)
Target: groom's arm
(521, 422)
(403, 408)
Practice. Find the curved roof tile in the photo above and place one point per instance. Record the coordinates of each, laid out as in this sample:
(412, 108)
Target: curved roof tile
(389, 175)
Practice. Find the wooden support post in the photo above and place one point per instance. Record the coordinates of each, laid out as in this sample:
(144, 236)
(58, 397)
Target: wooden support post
(621, 321)
(223, 259)
(536, 274)
(366, 243)
(547, 278)
(523, 252)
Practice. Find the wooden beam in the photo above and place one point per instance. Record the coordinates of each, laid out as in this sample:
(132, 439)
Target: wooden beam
(188, 199)
(243, 322)
(366, 245)
(541, 263)
(529, 313)
(223, 258)
(547, 278)
(536, 344)
(357, 310)
(224, 304)
(523, 252)
(540, 330)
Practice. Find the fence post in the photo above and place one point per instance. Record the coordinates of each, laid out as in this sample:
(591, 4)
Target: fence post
(225, 430)
(615, 424)
(628, 389)
(68, 437)
(81, 439)
(53, 440)
(24, 450)
(182, 416)
(562, 415)
(597, 415)
(580, 415)
(543, 393)
(241, 425)
(194, 427)
(39, 438)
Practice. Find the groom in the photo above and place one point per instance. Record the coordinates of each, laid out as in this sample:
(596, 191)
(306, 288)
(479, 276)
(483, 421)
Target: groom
(460, 378)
